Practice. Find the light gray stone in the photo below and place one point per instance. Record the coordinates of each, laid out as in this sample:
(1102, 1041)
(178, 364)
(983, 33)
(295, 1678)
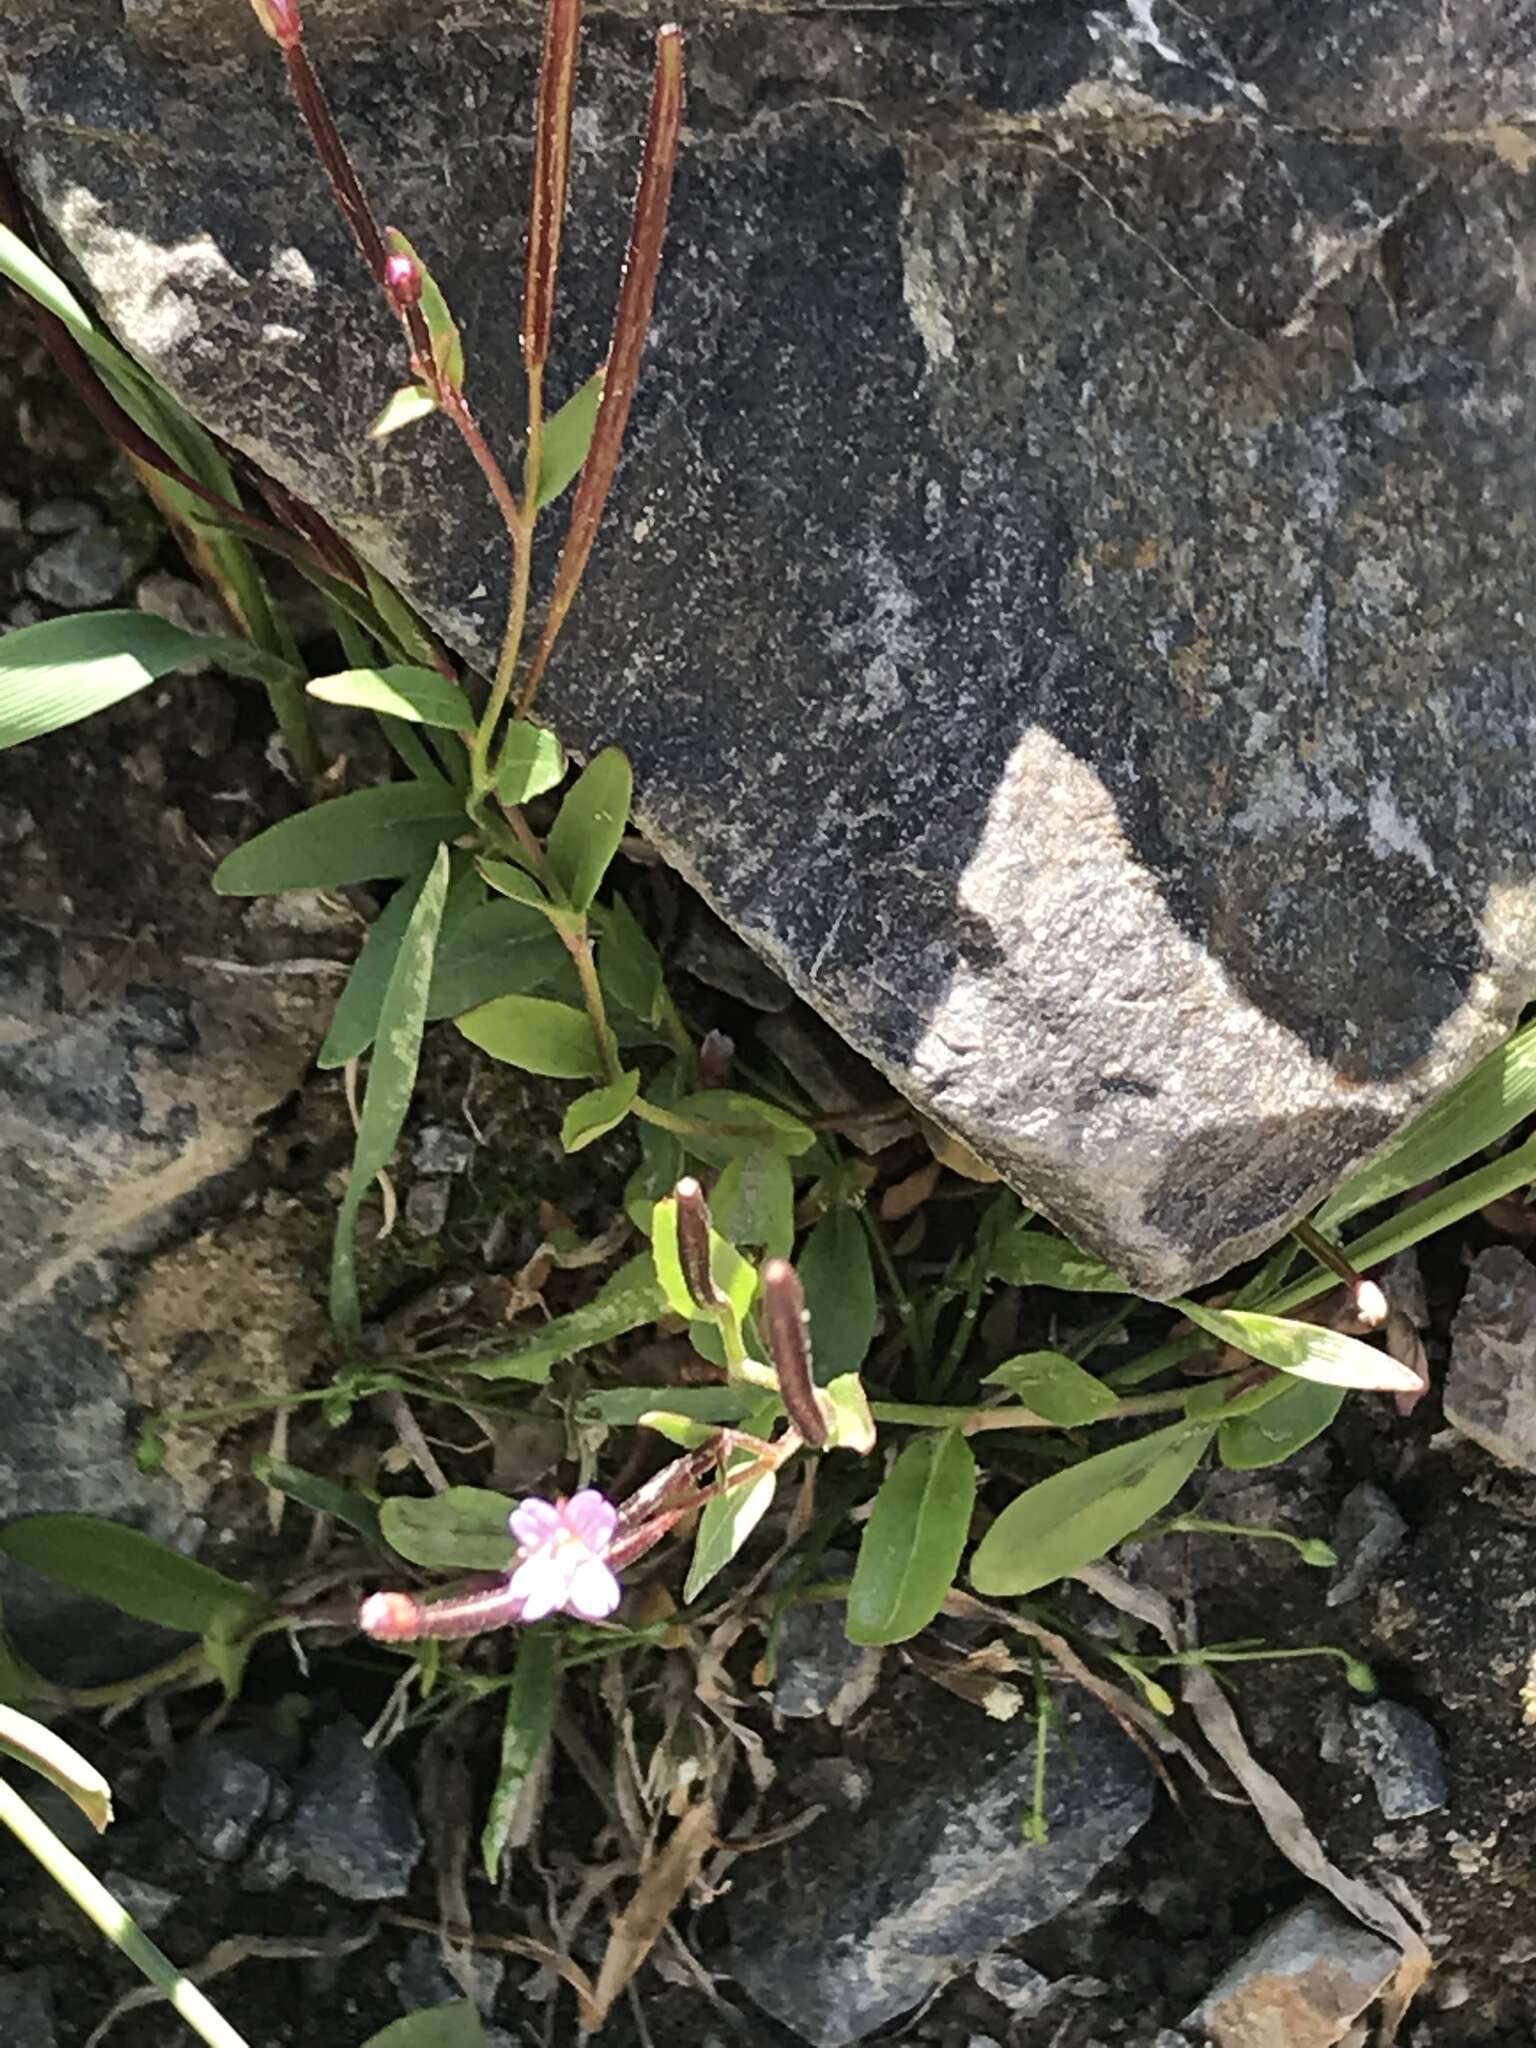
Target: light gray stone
(62, 515)
(184, 604)
(426, 1206)
(10, 513)
(150, 1904)
(1065, 595)
(80, 572)
(864, 1915)
(1301, 1984)
(1490, 1390)
(1368, 1530)
(817, 1670)
(443, 1148)
(1402, 1756)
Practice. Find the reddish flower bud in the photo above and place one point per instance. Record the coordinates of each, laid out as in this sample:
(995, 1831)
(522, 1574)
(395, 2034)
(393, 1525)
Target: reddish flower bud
(402, 280)
(280, 19)
(693, 1245)
(786, 1329)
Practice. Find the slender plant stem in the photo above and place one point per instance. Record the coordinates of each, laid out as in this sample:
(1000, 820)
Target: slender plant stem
(119, 1927)
(904, 1309)
(974, 1421)
(520, 520)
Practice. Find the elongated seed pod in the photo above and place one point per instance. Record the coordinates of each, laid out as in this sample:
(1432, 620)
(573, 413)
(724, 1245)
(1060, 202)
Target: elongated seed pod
(785, 1326)
(693, 1245)
(402, 1618)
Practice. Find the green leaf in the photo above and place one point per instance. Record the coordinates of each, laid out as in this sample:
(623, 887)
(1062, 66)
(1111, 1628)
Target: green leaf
(567, 437)
(363, 837)
(517, 885)
(435, 2026)
(63, 670)
(524, 1732)
(625, 1407)
(447, 342)
(628, 965)
(593, 1115)
(462, 1530)
(130, 1571)
(322, 1496)
(419, 695)
(839, 1285)
(850, 1419)
(740, 1124)
(730, 1518)
(630, 1298)
(1483, 1107)
(391, 1082)
(1305, 1350)
(497, 949)
(586, 834)
(19, 1683)
(1032, 1258)
(356, 1021)
(412, 402)
(753, 1203)
(1075, 1516)
(30, 1743)
(1055, 1386)
(533, 1033)
(1300, 1412)
(531, 761)
(912, 1544)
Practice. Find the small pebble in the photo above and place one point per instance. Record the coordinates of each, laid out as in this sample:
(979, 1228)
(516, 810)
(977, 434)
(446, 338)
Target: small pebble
(1014, 1983)
(81, 572)
(1368, 1530)
(10, 513)
(442, 1148)
(26, 611)
(1401, 1755)
(150, 1904)
(217, 1797)
(62, 515)
(183, 604)
(426, 1206)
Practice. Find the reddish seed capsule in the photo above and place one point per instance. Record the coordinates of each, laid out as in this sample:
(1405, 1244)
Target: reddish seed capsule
(280, 19)
(693, 1248)
(402, 280)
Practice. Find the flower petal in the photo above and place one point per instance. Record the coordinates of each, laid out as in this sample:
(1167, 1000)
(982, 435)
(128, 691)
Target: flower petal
(538, 1586)
(588, 1515)
(594, 1592)
(534, 1522)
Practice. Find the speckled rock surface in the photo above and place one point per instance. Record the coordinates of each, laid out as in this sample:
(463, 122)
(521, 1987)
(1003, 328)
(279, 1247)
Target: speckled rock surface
(1066, 598)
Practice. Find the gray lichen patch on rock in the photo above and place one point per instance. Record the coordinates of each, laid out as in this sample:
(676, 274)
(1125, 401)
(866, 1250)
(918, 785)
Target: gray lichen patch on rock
(1066, 599)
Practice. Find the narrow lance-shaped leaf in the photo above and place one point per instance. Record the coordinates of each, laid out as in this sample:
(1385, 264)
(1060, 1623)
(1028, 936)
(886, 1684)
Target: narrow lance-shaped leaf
(412, 402)
(531, 761)
(530, 1715)
(357, 1007)
(1056, 1387)
(632, 320)
(911, 1547)
(592, 1116)
(420, 695)
(628, 1299)
(128, 1570)
(567, 437)
(1075, 1516)
(586, 834)
(366, 836)
(1306, 1350)
(391, 1080)
(1483, 1107)
(63, 670)
(839, 1282)
(551, 175)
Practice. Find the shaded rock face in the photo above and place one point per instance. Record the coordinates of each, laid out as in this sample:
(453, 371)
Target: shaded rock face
(862, 1917)
(1064, 599)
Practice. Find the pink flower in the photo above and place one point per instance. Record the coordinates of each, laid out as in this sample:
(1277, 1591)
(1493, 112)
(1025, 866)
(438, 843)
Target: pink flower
(562, 1557)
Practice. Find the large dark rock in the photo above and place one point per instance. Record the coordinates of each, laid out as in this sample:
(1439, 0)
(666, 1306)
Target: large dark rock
(863, 1916)
(1066, 598)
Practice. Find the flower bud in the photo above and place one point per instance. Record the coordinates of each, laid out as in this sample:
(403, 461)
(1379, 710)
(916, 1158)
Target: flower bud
(280, 19)
(693, 1246)
(402, 280)
(785, 1327)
